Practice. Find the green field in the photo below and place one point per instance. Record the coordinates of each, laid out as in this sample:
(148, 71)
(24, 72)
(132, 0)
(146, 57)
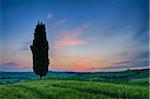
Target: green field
(71, 89)
(130, 84)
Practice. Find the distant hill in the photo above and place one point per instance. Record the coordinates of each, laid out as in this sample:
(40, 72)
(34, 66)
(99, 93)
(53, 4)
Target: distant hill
(128, 76)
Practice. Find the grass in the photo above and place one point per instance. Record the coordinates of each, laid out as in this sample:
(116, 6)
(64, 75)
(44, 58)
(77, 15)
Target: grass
(71, 89)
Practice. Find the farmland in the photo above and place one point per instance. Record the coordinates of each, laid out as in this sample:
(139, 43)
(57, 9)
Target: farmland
(102, 85)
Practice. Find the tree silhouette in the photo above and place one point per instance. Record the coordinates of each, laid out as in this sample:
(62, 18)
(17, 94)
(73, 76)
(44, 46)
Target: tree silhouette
(40, 51)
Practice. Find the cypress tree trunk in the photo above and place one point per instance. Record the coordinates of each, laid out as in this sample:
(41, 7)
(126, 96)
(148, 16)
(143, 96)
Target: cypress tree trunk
(40, 51)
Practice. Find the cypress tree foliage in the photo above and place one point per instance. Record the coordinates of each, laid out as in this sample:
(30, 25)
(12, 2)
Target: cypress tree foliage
(40, 51)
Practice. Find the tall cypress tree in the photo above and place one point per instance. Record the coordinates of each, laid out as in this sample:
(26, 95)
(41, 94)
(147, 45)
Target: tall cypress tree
(40, 51)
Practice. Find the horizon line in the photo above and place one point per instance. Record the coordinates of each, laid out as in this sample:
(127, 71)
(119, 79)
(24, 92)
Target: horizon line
(83, 71)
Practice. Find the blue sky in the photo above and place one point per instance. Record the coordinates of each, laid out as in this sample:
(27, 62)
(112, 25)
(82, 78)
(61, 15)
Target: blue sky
(92, 35)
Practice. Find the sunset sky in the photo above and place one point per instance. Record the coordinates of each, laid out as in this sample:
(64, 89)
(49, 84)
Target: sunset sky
(83, 35)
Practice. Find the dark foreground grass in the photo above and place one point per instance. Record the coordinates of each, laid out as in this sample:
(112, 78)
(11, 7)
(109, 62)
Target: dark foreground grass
(71, 89)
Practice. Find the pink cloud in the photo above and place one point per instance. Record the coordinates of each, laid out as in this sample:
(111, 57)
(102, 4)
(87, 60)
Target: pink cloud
(69, 41)
(71, 38)
(50, 15)
(81, 64)
(80, 30)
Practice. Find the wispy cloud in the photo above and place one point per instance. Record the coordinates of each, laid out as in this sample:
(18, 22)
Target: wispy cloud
(69, 41)
(71, 38)
(136, 58)
(128, 60)
(59, 23)
(141, 37)
(117, 68)
(26, 46)
(91, 38)
(63, 21)
(50, 15)
(12, 66)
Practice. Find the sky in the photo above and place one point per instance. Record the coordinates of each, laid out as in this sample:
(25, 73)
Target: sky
(83, 35)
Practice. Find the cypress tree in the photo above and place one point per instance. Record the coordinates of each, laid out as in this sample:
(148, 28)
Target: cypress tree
(40, 51)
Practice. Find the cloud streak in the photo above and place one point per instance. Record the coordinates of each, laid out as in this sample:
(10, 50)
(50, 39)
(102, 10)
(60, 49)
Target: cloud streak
(26, 46)
(116, 68)
(59, 23)
(12, 66)
(69, 41)
(50, 15)
(71, 38)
